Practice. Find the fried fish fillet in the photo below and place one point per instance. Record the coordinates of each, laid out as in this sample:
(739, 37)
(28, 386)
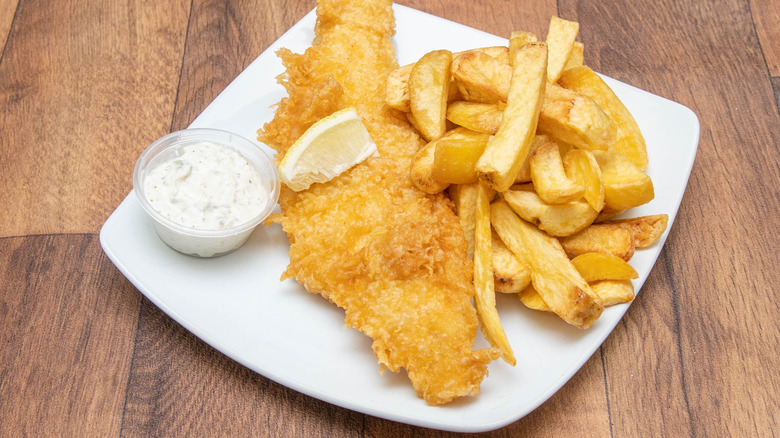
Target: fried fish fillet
(369, 241)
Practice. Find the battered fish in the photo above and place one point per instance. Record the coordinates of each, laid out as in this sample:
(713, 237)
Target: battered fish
(393, 257)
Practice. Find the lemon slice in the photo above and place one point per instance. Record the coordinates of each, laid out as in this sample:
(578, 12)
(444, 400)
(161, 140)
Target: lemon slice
(327, 149)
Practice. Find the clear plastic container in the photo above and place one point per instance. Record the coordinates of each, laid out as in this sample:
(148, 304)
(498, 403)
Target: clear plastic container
(193, 241)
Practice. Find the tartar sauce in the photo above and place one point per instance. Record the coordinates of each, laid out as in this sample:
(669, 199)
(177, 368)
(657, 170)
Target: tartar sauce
(206, 187)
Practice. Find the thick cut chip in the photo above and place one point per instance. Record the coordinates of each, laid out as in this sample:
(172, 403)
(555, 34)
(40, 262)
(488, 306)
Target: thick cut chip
(481, 78)
(629, 140)
(600, 238)
(397, 88)
(508, 149)
(456, 154)
(625, 185)
(552, 273)
(576, 119)
(581, 166)
(464, 196)
(485, 297)
(531, 298)
(500, 53)
(524, 175)
(595, 266)
(421, 170)
(560, 40)
(555, 219)
(549, 178)
(429, 83)
(518, 39)
(645, 230)
(510, 274)
(480, 117)
(613, 292)
(577, 57)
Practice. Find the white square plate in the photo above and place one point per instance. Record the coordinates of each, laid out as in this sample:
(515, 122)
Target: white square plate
(237, 304)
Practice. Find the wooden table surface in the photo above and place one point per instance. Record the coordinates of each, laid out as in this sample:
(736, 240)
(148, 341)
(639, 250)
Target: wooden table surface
(86, 85)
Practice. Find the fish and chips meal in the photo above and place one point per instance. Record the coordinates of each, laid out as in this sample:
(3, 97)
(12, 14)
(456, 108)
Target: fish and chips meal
(496, 169)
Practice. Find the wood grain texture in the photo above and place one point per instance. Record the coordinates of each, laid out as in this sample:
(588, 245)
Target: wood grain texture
(766, 16)
(67, 325)
(85, 86)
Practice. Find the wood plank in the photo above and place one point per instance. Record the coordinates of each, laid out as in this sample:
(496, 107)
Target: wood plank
(67, 325)
(697, 342)
(86, 87)
(224, 38)
(766, 16)
(7, 11)
(497, 18)
(181, 386)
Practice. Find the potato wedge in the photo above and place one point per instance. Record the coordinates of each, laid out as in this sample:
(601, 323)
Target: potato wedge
(549, 178)
(429, 82)
(555, 219)
(481, 78)
(595, 266)
(581, 167)
(499, 53)
(456, 154)
(518, 39)
(480, 117)
(552, 273)
(607, 214)
(560, 40)
(613, 292)
(600, 238)
(485, 297)
(576, 58)
(510, 274)
(576, 119)
(397, 88)
(421, 170)
(625, 185)
(645, 230)
(531, 298)
(508, 149)
(629, 140)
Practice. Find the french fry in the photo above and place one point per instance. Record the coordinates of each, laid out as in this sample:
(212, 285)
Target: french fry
(645, 230)
(600, 238)
(524, 175)
(510, 274)
(595, 266)
(429, 83)
(606, 214)
(485, 297)
(508, 149)
(549, 178)
(625, 185)
(464, 196)
(555, 219)
(481, 78)
(613, 292)
(531, 298)
(629, 140)
(560, 40)
(397, 88)
(456, 154)
(421, 170)
(576, 58)
(552, 273)
(480, 117)
(575, 119)
(518, 39)
(499, 53)
(581, 166)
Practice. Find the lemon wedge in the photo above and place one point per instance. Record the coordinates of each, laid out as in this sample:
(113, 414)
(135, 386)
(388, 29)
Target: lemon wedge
(328, 148)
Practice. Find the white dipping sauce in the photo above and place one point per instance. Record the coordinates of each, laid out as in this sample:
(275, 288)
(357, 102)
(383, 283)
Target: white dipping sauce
(207, 187)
